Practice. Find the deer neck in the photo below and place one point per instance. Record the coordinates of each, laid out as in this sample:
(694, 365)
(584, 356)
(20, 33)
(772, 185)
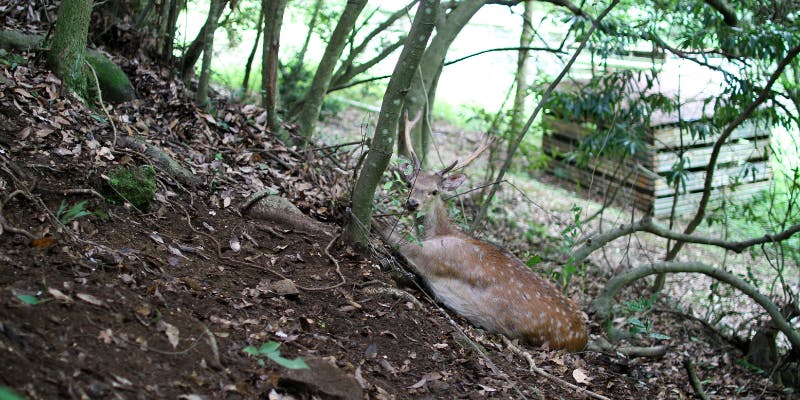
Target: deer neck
(436, 222)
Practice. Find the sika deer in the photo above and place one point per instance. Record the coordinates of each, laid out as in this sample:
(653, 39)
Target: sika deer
(479, 281)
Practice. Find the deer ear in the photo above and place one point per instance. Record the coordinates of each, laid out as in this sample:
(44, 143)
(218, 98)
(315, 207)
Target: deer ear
(452, 182)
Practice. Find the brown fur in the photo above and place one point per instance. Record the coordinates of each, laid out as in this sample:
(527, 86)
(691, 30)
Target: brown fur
(485, 284)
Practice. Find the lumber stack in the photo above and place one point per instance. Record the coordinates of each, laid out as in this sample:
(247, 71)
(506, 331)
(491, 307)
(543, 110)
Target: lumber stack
(743, 167)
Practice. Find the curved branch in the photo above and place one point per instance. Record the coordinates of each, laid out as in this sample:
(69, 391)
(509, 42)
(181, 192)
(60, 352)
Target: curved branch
(601, 306)
(735, 246)
(595, 243)
(648, 225)
(344, 75)
(518, 48)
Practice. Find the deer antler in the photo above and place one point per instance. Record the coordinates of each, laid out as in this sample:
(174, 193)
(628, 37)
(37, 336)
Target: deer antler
(407, 138)
(459, 164)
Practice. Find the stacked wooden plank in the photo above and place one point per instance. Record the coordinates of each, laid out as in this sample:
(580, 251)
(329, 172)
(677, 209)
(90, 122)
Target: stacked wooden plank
(743, 167)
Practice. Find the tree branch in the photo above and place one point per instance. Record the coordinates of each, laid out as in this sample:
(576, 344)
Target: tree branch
(712, 161)
(601, 306)
(728, 13)
(518, 48)
(736, 247)
(649, 225)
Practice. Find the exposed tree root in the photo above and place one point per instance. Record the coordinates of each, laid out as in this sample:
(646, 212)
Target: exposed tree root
(161, 159)
(693, 380)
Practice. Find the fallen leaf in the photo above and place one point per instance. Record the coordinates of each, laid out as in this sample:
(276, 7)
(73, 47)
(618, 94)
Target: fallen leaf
(579, 374)
(42, 243)
(175, 252)
(90, 299)
(486, 389)
(155, 237)
(172, 332)
(59, 295)
(60, 151)
(106, 336)
(234, 243)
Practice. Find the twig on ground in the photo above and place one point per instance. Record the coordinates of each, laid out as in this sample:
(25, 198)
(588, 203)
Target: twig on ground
(102, 105)
(91, 192)
(602, 345)
(533, 368)
(395, 292)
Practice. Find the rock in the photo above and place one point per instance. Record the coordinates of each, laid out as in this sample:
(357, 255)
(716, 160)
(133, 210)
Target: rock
(321, 378)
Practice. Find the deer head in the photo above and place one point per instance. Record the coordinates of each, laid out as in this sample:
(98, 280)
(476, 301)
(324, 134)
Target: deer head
(427, 188)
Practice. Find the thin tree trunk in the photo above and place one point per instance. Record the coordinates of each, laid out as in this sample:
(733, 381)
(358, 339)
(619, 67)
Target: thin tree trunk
(273, 19)
(163, 21)
(192, 54)
(298, 66)
(521, 77)
(312, 102)
(201, 95)
(357, 229)
(169, 32)
(249, 65)
(417, 98)
(68, 52)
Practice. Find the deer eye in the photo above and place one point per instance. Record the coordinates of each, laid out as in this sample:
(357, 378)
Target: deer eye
(434, 192)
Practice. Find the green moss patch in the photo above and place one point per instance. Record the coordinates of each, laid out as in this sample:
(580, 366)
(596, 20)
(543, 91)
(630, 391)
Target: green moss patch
(136, 185)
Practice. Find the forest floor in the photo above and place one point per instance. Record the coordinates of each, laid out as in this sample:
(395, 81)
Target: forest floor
(161, 303)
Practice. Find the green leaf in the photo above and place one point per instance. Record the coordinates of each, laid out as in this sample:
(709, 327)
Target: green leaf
(28, 299)
(659, 336)
(635, 322)
(297, 363)
(270, 350)
(8, 394)
(536, 259)
(269, 347)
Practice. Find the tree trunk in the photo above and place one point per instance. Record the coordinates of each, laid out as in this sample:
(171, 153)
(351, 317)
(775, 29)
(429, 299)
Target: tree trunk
(348, 70)
(68, 52)
(201, 95)
(298, 65)
(417, 98)
(273, 18)
(249, 66)
(169, 32)
(357, 229)
(192, 53)
(521, 77)
(312, 102)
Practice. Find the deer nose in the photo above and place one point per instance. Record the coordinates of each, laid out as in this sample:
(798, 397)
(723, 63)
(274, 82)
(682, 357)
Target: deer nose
(412, 204)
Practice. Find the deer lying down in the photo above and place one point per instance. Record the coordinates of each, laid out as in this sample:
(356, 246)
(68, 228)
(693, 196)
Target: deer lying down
(479, 281)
